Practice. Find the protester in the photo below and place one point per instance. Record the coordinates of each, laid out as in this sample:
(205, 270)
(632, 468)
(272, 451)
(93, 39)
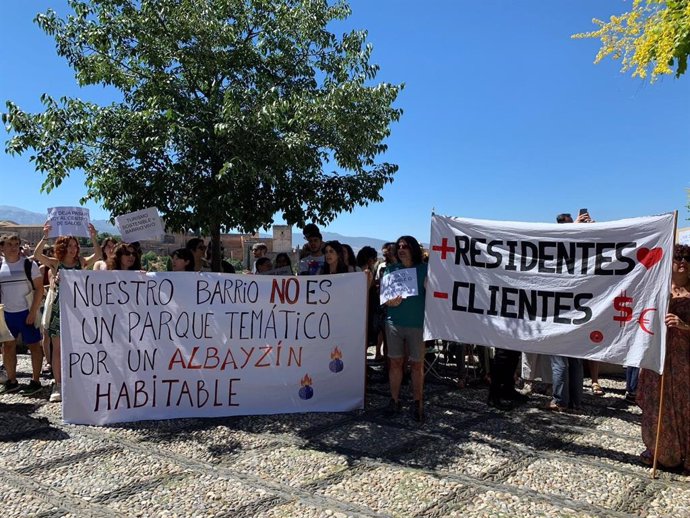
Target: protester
(46, 272)
(283, 261)
(567, 373)
(632, 375)
(122, 258)
(19, 279)
(366, 261)
(259, 250)
(404, 324)
(263, 265)
(309, 230)
(197, 247)
(350, 259)
(182, 260)
(334, 258)
(674, 439)
(66, 258)
(311, 264)
(107, 247)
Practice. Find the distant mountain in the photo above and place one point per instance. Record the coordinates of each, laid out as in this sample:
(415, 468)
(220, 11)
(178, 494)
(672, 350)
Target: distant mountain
(355, 242)
(26, 217)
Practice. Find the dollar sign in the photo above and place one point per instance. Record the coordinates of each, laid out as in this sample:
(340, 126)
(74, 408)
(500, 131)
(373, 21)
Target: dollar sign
(622, 304)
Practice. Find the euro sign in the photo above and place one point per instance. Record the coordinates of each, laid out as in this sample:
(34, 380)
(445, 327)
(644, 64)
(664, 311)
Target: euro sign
(622, 305)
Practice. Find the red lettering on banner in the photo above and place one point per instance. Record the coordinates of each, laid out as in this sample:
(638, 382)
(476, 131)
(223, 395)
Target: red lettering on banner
(444, 248)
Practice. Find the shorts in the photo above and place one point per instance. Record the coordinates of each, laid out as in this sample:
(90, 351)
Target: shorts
(16, 322)
(401, 339)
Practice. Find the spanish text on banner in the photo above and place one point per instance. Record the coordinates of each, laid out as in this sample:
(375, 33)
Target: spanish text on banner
(595, 290)
(165, 345)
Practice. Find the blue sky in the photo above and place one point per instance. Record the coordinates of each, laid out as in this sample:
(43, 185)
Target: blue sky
(505, 116)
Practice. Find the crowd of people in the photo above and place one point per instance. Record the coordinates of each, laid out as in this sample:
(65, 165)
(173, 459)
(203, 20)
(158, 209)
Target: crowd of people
(29, 282)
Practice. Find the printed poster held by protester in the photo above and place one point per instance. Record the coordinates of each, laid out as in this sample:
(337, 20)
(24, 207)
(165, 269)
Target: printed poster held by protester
(140, 225)
(399, 283)
(184, 344)
(69, 221)
(598, 290)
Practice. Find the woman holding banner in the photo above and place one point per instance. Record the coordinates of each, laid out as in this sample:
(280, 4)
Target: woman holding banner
(674, 438)
(107, 247)
(66, 258)
(404, 328)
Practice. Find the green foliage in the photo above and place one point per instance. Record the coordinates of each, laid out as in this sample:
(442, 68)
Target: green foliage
(652, 38)
(231, 111)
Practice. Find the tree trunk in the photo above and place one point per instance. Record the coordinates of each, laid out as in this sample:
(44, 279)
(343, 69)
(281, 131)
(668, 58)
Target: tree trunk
(215, 248)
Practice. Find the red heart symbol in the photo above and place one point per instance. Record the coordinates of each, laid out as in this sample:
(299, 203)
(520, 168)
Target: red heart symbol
(649, 257)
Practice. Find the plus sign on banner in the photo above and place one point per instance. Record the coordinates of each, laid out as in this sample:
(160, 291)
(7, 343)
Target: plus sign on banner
(596, 290)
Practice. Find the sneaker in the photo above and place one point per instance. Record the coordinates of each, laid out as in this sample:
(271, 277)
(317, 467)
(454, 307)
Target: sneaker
(56, 394)
(394, 407)
(9, 386)
(3, 374)
(32, 388)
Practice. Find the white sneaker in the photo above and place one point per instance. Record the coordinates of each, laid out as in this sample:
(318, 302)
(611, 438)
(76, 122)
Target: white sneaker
(3, 374)
(56, 394)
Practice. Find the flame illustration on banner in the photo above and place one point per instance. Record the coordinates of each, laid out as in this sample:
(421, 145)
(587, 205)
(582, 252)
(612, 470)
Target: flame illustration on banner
(306, 392)
(336, 364)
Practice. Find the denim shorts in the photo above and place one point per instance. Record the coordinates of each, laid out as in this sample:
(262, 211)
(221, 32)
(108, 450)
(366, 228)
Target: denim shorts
(401, 339)
(16, 322)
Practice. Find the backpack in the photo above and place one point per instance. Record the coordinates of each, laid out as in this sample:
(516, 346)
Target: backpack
(27, 272)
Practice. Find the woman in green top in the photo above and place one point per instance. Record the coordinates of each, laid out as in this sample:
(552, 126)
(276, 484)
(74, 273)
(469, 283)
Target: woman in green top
(404, 327)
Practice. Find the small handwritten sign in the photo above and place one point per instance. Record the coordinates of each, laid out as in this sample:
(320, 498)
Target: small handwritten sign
(399, 283)
(140, 225)
(69, 221)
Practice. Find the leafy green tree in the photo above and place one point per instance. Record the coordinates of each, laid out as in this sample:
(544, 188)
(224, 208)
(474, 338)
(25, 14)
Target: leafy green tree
(652, 38)
(231, 111)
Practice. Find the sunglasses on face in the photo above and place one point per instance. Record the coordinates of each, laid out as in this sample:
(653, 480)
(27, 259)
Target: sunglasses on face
(680, 258)
(403, 246)
(201, 247)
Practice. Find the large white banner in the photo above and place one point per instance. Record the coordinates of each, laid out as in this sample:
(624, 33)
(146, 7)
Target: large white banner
(141, 346)
(595, 290)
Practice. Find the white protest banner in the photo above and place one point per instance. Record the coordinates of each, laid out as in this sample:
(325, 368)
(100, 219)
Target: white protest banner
(399, 283)
(184, 344)
(69, 221)
(140, 225)
(597, 290)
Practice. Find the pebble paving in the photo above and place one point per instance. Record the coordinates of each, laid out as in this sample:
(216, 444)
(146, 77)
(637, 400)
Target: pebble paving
(466, 460)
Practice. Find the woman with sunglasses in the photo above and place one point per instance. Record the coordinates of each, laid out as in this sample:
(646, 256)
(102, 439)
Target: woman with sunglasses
(404, 326)
(124, 257)
(67, 257)
(674, 441)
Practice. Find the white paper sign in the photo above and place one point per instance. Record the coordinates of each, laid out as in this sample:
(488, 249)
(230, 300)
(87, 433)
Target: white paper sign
(69, 221)
(185, 344)
(399, 283)
(140, 225)
(598, 290)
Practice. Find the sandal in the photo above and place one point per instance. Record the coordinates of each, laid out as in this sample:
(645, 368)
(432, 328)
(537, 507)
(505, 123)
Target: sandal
(552, 405)
(597, 390)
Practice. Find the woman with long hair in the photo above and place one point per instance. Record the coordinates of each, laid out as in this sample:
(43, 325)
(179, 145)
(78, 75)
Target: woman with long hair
(674, 440)
(107, 246)
(404, 326)
(124, 257)
(182, 260)
(67, 257)
(350, 259)
(334, 261)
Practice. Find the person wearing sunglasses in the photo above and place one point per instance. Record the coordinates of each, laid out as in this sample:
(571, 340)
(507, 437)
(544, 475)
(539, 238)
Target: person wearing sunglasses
(674, 439)
(404, 328)
(197, 246)
(123, 257)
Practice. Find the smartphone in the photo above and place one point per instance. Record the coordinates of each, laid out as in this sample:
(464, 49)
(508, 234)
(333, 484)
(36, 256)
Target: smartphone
(583, 211)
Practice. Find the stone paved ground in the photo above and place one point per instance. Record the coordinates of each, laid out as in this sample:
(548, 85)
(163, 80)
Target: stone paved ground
(466, 460)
